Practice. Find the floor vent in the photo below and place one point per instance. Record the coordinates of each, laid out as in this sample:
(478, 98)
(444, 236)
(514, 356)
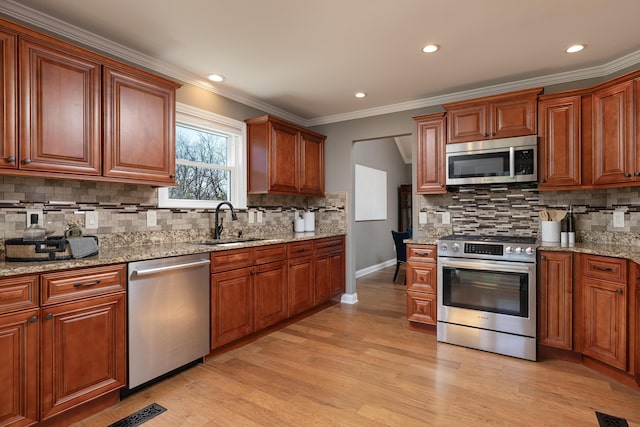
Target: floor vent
(137, 418)
(610, 421)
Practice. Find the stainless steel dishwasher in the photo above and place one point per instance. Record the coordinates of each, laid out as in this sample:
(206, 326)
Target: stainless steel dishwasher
(168, 315)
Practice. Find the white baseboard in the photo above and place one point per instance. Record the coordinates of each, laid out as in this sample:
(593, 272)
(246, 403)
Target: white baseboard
(374, 268)
(349, 298)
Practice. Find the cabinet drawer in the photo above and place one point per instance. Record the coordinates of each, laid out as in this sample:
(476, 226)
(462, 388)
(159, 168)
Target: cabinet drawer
(605, 268)
(327, 246)
(300, 249)
(75, 284)
(421, 277)
(18, 293)
(270, 253)
(231, 260)
(421, 307)
(422, 253)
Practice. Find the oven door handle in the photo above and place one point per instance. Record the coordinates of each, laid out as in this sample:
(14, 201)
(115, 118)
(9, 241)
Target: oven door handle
(508, 267)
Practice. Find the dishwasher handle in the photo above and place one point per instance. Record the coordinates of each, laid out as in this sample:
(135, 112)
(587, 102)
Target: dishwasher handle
(147, 271)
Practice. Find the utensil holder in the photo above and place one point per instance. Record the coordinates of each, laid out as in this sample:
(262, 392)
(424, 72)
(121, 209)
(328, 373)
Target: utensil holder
(550, 231)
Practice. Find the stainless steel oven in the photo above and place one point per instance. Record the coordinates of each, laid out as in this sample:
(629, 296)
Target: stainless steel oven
(487, 294)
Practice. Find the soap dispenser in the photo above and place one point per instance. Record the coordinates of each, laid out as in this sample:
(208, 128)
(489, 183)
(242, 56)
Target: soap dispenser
(33, 232)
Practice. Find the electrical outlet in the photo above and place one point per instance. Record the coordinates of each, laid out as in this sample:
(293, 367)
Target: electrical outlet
(40, 217)
(423, 218)
(152, 219)
(446, 218)
(618, 219)
(90, 220)
(251, 217)
(259, 216)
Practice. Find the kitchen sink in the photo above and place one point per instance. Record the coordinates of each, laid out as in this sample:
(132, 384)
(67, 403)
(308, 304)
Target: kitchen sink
(231, 242)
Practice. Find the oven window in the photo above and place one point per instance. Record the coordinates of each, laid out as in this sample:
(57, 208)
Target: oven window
(490, 291)
(479, 165)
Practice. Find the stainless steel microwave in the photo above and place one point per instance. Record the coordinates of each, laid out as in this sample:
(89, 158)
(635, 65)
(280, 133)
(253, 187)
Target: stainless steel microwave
(493, 161)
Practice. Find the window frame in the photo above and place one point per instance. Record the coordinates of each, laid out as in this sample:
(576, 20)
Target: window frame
(193, 117)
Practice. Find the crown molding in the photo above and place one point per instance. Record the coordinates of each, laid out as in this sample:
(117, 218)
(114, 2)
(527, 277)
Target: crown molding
(34, 18)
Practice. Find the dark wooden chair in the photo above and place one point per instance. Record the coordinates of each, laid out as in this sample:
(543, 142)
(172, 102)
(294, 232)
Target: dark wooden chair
(401, 249)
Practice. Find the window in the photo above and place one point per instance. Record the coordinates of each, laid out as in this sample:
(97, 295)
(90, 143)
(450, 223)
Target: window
(210, 166)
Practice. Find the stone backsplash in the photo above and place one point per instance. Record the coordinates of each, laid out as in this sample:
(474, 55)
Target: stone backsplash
(122, 212)
(500, 210)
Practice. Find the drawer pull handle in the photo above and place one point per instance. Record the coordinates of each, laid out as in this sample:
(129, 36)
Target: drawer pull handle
(619, 291)
(86, 285)
(597, 267)
(422, 253)
(33, 319)
(49, 316)
(301, 249)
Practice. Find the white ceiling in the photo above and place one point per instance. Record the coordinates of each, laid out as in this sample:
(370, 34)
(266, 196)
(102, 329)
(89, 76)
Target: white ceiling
(304, 59)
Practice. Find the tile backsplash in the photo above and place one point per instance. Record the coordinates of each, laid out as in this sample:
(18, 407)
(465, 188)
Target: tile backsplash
(122, 212)
(500, 210)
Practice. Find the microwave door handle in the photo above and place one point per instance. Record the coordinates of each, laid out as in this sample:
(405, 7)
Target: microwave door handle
(512, 161)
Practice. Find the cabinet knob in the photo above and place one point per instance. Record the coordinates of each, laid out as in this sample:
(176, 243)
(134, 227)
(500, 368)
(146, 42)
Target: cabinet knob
(542, 257)
(11, 159)
(627, 175)
(172, 176)
(441, 185)
(618, 291)
(637, 174)
(542, 181)
(33, 319)
(49, 316)
(26, 161)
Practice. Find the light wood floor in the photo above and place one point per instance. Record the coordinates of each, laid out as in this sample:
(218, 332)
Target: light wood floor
(359, 365)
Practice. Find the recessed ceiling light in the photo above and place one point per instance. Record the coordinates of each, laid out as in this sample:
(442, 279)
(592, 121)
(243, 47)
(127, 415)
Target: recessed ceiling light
(360, 95)
(575, 48)
(216, 77)
(430, 48)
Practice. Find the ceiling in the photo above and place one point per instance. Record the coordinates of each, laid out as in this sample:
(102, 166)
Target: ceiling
(304, 60)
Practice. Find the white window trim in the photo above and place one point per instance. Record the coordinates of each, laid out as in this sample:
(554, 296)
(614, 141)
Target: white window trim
(186, 114)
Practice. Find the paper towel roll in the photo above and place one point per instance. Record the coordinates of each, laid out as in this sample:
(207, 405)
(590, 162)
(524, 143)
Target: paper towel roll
(309, 221)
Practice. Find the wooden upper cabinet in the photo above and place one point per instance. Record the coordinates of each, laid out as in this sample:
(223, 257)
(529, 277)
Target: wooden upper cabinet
(613, 143)
(560, 148)
(8, 70)
(139, 126)
(311, 164)
(430, 154)
(284, 158)
(498, 116)
(60, 108)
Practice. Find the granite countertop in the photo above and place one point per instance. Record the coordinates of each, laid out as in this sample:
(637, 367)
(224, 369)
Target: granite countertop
(630, 252)
(122, 254)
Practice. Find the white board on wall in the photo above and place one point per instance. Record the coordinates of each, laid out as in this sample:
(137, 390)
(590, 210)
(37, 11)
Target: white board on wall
(370, 194)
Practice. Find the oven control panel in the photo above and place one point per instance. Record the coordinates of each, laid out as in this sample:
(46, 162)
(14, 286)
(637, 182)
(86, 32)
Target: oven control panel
(485, 250)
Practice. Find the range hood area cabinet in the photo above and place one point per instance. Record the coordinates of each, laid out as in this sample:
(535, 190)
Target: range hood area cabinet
(72, 113)
(492, 117)
(284, 158)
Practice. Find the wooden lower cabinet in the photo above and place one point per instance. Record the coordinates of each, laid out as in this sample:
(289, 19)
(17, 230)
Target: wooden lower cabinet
(337, 274)
(422, 296)
(19, 368)
(301, 285)
(82, 355)
(231, 306)
(270, 294)
(555, 299)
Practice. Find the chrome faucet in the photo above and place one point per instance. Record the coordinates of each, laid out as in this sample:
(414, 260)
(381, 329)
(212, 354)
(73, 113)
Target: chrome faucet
(217, 231)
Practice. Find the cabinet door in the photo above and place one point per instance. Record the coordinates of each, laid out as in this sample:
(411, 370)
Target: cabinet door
(270, 293)
(513, 117)
(431, 154)
(82, 353)
(284, 159)
(605, 322)
(555, 327)
(468, 123)
(311, 164)
(232, 306)
(560, 153)
(613, 151)
(322, 275)
(421, 307)
(60, 109)
(8, 143)
(337, 273)
(19, 368)
(301, 285)
(139, 126)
